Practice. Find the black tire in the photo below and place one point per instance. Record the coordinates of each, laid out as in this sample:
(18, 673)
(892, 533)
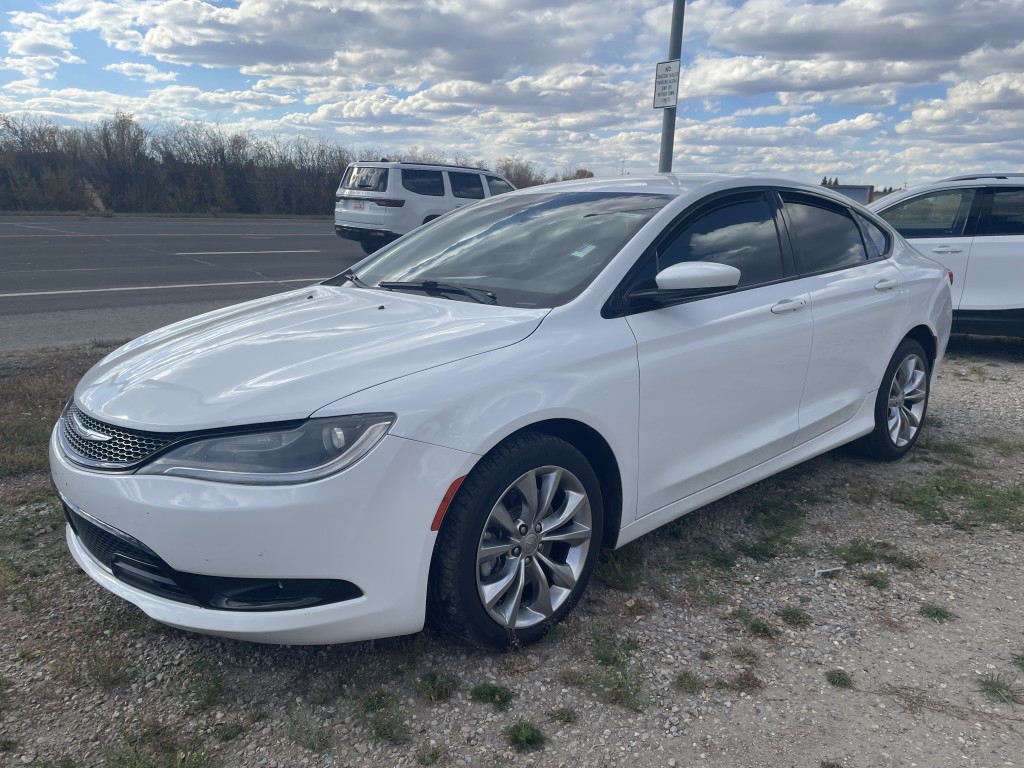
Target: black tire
(370, 245)
(545, 570)
(900, 406)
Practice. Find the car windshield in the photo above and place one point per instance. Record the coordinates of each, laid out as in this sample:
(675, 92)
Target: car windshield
(536, 250)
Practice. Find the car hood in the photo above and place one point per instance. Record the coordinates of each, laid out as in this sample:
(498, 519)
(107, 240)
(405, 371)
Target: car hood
(286, 356)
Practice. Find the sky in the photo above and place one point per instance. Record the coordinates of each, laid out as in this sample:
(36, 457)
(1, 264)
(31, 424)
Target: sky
(883, 92)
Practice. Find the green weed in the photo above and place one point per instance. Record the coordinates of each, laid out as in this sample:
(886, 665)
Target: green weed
(936, 613)
(839, 678)
(524, 736)
(1001, 688)
(621, 568)
(435, 686)
(689, 682)
(564, 715)
(795, 617)
(877, 579)
(489, 693)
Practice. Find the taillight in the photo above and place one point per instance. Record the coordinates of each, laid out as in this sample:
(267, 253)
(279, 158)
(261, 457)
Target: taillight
(949, 274)
(385, 202)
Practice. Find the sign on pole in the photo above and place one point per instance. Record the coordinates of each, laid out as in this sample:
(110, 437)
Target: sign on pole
(666, 84)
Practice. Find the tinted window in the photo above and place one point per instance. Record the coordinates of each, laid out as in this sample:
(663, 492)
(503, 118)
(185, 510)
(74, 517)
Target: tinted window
(741, 234)
(939, 214)
(498, 186)
(825, 237)
(877, 237)
(537, 250)
(466, 185)
(423, 182)
(1006, 216)
(370, 179)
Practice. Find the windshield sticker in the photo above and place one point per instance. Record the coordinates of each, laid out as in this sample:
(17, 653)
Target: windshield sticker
(582, 251)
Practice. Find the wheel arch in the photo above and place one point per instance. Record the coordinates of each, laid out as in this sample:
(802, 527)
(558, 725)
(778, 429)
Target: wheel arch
(599, 455)
(928, 341)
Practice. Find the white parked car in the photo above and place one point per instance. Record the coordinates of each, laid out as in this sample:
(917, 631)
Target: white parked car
(379, 202)
(455, 426)
(975, 226)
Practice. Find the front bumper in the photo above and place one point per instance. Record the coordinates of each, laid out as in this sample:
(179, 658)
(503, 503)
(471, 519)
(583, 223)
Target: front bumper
(368, 526)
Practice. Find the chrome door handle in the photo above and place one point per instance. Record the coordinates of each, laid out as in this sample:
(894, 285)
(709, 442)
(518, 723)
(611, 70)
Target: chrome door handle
(788, 305)
(886, 285)
(946, 249)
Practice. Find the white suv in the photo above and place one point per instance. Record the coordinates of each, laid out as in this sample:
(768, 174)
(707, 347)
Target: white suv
(380, 202)
(974, 225)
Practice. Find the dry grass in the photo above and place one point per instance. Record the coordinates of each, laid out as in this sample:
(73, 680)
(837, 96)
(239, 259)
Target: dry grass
(36, 385)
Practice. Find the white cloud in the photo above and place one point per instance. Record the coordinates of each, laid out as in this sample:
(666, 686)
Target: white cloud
(146, 72)
(809, 87)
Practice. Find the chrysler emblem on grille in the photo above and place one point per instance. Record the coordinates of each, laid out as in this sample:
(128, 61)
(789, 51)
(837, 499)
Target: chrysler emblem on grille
(85, 433)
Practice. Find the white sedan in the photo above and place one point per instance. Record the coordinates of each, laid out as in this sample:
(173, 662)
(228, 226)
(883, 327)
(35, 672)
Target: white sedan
(452, 429)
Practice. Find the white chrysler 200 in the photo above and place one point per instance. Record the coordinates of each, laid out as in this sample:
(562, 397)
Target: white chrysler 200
(453, 428)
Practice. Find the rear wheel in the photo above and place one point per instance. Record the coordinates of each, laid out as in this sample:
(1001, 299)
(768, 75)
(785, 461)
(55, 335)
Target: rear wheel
(369, 244)
(518, 543)
(900, 405)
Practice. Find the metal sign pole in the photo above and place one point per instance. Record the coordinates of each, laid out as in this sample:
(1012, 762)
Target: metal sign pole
(668, 117)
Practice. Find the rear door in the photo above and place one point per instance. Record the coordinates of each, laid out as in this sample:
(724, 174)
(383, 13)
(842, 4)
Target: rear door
(995, 275)
(938, 224)
(857, 304)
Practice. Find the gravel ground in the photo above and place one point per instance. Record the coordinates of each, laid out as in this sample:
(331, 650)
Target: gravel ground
(86, 680)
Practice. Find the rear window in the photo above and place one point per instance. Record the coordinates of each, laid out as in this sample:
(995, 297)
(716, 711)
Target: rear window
(368, 179)
(423, 182)
(1006, 216)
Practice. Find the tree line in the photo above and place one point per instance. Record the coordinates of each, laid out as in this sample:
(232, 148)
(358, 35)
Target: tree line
(120, 165)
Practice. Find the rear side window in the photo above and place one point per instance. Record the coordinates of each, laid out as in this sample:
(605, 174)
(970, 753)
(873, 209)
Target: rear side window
(878, 240)
(498, 186)
(466, 185)
(423, 182)
(825, 236)
(939, 214)
(1006, 215)
(369, 179)
(740, 233)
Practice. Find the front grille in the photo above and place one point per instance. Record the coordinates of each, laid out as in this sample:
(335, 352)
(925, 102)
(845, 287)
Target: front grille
(124, 448)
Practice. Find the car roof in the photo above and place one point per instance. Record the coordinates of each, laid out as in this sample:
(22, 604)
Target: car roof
(405, 164)
(953, 182)
(680, 184)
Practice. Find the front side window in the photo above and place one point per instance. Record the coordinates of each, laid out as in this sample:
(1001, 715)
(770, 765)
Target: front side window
(741, 234)
(466, 185)
(368, 179)
(423, 182)
(1006, 214)
(537, 250)
(825, 236)
(938, 214)
(498, 186)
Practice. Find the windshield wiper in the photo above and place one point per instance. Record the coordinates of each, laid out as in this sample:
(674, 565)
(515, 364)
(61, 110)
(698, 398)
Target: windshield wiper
(432, 286)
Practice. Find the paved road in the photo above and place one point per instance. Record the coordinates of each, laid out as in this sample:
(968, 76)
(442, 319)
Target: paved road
(71, 279)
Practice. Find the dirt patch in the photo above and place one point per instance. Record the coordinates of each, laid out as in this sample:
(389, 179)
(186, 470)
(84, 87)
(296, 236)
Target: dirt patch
(844, 613)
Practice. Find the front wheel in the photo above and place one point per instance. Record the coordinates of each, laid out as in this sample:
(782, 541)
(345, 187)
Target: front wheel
(518, 543)
(900, 405)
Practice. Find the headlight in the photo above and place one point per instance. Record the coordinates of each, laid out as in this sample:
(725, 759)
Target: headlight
(315, 449)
